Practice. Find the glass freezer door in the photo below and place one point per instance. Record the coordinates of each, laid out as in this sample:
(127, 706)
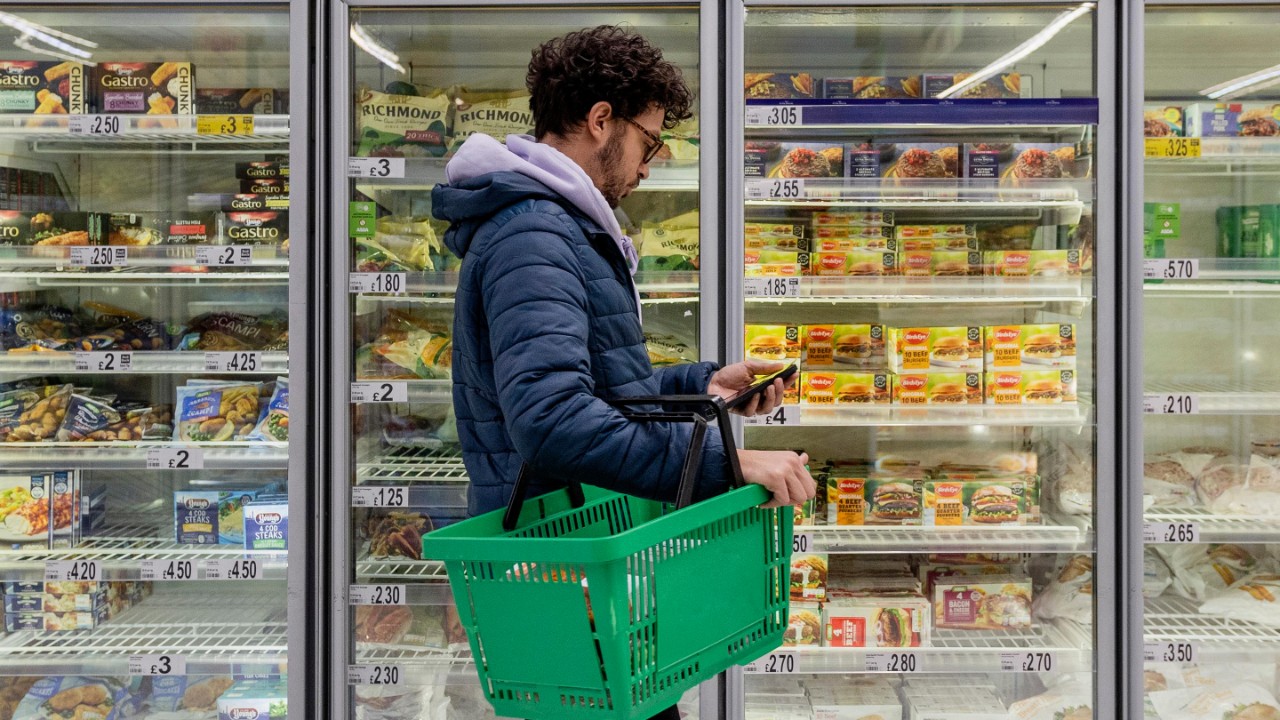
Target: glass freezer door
(461, 71)
(144, 368)
(1211, 173)
(920, 233)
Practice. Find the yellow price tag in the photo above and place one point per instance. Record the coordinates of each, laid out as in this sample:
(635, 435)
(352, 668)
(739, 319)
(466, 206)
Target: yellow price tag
(1175, 147)
(224, 125)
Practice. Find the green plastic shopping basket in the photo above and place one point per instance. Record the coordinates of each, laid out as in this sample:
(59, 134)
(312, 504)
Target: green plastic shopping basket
(603, 605)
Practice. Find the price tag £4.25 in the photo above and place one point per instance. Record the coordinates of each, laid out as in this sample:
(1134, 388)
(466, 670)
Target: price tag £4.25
(232, 362)
(782, 416)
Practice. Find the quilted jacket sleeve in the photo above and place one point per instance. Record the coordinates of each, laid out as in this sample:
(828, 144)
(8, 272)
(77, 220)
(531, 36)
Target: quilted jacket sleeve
(688, 379)
(535, 301)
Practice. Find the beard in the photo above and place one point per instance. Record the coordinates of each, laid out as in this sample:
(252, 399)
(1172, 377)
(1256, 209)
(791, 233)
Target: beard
(609, 159)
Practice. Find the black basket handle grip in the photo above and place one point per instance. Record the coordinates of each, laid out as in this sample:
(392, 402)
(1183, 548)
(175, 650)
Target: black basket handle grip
(697, 409)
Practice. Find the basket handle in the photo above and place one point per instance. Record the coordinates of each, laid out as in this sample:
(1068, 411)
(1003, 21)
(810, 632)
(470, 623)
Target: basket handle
(697, 409)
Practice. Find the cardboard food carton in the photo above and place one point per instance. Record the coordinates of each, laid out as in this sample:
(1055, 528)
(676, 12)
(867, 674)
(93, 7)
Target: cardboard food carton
(1030, 387)
(946, 349)
(140, 88)
(1032, 263)
(35, 87)
(845, 388)
(988, 602)
(975, 502)
(937, 388)
(1029, 347)
(940, 263)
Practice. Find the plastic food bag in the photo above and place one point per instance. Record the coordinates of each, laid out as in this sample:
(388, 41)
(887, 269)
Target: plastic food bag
(494, 113)
(1255, 598)
(1171, 479)
(214, 413)
(1070, 594)
(1202, 570)
(274, 425)
(1156, 577)
(406, 121)
(1239, 701)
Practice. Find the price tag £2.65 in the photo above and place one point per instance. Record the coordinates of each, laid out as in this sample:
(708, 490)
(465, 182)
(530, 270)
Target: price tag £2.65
(1170, 533)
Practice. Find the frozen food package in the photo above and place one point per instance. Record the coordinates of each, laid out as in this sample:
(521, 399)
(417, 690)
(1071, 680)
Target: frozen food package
(1000, 85)
(1200, 571)
(60, 696)
(24, 510)
(216, 413)
(1162, 121)
(402, 625)
(1069, 594)
(771, 159)
(496, 113)
(228, 331)
(395, 533)
(1073, 490)
(1237, 701)
(920, 161)
(40, 414)
(1072, 702)
(681, 143)
(406, 121)
(982, 602)
(1252, 599)
(1170, 479)
(409, 346)
(150, 88)
(215, 101)
(196, 694)
(257, 698)
(804, 625)
(775, 86)
(870, 87)
(1228, 673)
(809, 577)
(275, 425)
(670, 245)
(32, 87)
(1156, 576)
(58, 229)
(1230, 489)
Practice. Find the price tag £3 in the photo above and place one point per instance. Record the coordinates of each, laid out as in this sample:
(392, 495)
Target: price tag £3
(782, 416)
(376, 168)
(157, 665)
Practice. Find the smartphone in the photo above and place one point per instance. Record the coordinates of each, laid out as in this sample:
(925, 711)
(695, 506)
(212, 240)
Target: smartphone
(759, 386)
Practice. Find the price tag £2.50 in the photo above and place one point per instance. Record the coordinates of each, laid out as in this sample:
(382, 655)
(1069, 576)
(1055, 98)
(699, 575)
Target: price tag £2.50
(99, 256)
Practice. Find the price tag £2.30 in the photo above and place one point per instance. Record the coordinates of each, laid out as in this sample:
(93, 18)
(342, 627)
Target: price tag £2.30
(374, 675)
(377, 595)
(782, 416)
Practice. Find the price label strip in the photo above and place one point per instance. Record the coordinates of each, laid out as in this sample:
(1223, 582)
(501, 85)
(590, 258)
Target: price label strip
(233, 570)
(97, 125)
(898, 662)
(224, 255)
(389, 283)
(224, 125)
(379, 392)
(374, 675)
(157, 665)
(1171, 404)
(175, 458)
(73, 570)
(1170, 533)
(779, 662)
(376, 496)
(376, 168)
(802, 542)
(771, 287)
(775, 115)
(1171, 269)
(790, 189)
(782, 416)
(1027, 661)
(1182, 652)
(1172, 147)
(99, 256)
(110, 361)
(232, 362)
(377, 595)
(168, 570)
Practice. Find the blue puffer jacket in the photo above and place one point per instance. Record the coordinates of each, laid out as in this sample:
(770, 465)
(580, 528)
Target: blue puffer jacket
(546, 329)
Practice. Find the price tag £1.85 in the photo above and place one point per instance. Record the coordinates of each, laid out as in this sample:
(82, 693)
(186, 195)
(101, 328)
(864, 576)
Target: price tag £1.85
(157, 665)
(782, 416)
(771, 287)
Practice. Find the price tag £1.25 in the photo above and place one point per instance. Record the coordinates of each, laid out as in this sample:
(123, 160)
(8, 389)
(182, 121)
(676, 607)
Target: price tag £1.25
(379, 496)
(157, 665)
(782, 416)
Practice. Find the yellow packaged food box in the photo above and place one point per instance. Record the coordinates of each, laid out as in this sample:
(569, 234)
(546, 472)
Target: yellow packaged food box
(772, 235)
(775, 343)
(1030, 347)
(1030, 387)
(816, 346)
(975, 502)
(774, 263)
(864, 218)
(850, 501)
(1033, 263)
(845, 388)
(962, 243)
(860, 346)
(849, 244)
(946, 349)
(854, 263)
(937, 388)
(878, 237)
(939, 263)
(935, 232)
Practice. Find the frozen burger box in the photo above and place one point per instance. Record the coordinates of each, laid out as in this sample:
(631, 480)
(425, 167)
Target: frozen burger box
(854, 263)
(1032, 263)
(1030, 387)
(897, 620)
(827, 346)
(974, 502)
(773, 343)
(960, 236)
(845, 388)
(945, 349)
(893, 499)
(32, 87)
(782, 236)
(804, 626)
(989, 602)
(939, 263)
(854, 218)
(809, 577)
(166, 88)
(1030, 347)
(1162, 121)
(849, 503)
(937, 388)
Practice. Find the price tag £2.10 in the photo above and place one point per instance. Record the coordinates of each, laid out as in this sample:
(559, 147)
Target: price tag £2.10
(782, 416)
(1171, 404)
(157, 665)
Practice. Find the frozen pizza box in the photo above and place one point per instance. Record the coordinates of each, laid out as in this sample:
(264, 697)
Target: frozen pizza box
(144, 88)
(34, 87)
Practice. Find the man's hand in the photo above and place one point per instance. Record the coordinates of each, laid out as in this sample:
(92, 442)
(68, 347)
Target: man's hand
(781, 472)
(732, 379)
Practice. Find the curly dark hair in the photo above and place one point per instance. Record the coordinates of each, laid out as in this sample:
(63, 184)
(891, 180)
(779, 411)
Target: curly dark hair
(570, 74)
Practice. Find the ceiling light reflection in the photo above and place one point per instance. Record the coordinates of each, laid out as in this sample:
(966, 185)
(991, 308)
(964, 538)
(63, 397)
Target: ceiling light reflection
(1244, 84)
(58, 42)
(375, 49)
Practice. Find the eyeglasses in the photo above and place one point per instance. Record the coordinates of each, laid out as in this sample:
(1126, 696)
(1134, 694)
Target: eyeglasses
(653, 146)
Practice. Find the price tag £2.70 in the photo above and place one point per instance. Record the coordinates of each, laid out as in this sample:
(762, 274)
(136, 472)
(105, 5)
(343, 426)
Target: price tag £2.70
(1028, 661)
(778, 662)
(376, 168)
(771, 287)
(782, 416)
(157, 665)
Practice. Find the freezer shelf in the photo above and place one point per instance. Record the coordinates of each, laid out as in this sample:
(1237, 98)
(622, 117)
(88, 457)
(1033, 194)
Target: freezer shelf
(951, 115)
(193, 623)
(122, 550)
(959, 197)
(954, 651)
(1176, 619)
(133, 456)
(419, 391)
(1009, 538)
(942, 291)
(86, 133)
(413, 657)
(1214, 528)
(409, 464)
(1075, 415)
(36, 280)
(60, 257)
(1225, 156)
(399, 570)
(184, 362)
(426, 173)
(446, 283)
(1220, 276)
(1224, 397)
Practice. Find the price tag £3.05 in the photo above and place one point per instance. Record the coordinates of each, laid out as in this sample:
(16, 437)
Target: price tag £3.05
(775, 115)
(782, 416)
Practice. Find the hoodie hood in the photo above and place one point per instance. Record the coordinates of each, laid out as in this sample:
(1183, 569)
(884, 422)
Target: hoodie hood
(482, 155)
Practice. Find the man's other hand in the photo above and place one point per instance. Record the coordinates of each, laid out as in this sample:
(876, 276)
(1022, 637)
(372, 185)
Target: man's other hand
(732, 379)
(781, 472)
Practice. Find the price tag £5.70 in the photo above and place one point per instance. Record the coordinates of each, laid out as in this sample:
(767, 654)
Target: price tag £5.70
(1171, 269)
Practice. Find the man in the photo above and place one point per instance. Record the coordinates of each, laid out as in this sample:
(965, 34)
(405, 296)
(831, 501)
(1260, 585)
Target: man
(546, 324)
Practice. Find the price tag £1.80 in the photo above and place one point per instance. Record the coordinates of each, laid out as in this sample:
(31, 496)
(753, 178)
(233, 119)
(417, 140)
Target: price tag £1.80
(388, 283)
(782, 416)
(157, 665)
(771, 287)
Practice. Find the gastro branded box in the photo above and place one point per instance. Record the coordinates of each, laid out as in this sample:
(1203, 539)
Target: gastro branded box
(42, 88)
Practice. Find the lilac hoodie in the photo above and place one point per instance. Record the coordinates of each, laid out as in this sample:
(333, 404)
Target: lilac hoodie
(482, 155)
